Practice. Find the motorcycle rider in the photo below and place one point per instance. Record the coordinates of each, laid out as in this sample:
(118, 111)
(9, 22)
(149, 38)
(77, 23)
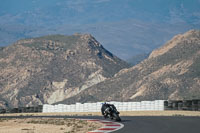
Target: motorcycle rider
(105, 109)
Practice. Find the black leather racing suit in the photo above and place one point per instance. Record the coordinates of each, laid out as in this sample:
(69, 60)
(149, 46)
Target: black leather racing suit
(105, 109)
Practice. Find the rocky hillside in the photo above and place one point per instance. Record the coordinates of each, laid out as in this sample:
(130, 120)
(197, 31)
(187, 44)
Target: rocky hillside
(170, 72)
(52, 68)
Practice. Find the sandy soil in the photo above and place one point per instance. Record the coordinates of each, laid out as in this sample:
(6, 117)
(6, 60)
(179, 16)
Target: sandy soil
(160, 113)
(122, 113)
(46, 125)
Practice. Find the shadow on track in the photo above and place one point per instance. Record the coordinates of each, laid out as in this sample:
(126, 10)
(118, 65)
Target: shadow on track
(126, 121)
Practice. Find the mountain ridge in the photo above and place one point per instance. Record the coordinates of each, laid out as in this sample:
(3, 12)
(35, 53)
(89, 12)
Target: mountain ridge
(45, 70)
(78, 68)
(168, 73)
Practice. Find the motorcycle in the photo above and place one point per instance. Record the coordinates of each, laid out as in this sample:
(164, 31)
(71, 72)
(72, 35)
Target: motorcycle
(110, 111)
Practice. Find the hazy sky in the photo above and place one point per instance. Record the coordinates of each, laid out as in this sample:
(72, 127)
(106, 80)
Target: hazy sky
(124, 27)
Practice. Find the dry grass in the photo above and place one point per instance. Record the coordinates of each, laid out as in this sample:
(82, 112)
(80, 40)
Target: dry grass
(160, 113)
(122, 113)
(47, 125)
(55, 114)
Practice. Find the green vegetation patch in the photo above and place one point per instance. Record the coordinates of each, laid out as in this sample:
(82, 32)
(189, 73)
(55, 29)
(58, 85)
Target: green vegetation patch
(59, 42)
(1, 48)
(60, 38)
(3, 119)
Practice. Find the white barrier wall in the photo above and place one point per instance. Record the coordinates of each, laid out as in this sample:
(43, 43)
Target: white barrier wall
(157, 105)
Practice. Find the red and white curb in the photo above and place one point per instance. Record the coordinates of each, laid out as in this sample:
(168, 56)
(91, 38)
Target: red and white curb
(108, 127)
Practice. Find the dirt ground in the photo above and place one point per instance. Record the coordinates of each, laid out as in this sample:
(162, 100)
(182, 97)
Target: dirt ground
(160, 113)
(122, 113)
(52, 125)
(46, 125)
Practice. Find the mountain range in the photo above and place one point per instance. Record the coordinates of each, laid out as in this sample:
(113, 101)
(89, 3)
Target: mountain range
(67, 69)
(52, 68)
(170, 72)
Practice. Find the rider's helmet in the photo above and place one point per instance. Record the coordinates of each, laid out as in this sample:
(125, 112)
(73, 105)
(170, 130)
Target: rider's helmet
(103, 102)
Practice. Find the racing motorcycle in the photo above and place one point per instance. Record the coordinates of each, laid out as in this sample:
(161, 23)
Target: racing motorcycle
(110, 111)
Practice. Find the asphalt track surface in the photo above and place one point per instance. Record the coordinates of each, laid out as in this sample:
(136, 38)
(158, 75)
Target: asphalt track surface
(145, 124)
(160, 124)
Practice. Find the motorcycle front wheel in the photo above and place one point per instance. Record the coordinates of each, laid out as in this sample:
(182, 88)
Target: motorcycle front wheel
(116, 117)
